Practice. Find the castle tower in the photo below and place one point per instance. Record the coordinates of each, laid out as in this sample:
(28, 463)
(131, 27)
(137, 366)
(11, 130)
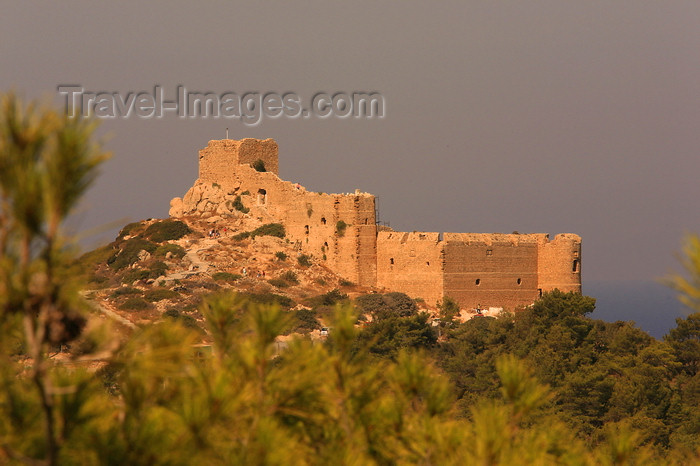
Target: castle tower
(218, 161)
(559, 265)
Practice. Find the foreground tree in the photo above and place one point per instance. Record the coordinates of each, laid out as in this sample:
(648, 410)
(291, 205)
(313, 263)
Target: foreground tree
(688, 286)
(47, 161)
(163, 398)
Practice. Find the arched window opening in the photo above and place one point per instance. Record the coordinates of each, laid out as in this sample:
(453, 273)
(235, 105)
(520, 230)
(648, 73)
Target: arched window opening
(262, 197)
(323, 220)
(478, 281)
(575, 267)
(306, 229)
(391, 261)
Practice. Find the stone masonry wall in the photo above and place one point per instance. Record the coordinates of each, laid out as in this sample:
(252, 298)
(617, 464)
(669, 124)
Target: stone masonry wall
(220, 158)
(310, 218)
(487, 270)
(560, 263)
(477, 269)
(411, 263)
(491, 270)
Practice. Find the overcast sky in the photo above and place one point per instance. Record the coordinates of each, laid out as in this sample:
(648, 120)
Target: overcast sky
(536, 116)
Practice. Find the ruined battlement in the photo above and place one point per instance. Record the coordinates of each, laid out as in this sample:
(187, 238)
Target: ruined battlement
(486, 269)
(221, 157)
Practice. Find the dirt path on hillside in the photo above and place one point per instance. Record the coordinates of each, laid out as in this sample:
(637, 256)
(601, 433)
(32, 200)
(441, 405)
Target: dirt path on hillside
(197, 264)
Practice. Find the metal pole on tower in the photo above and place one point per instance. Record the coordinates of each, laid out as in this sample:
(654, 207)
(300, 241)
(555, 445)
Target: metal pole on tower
(226, 133)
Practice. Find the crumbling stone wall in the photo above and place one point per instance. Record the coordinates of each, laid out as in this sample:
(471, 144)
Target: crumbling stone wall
(310, 219)
(339, 230)
(220, 159)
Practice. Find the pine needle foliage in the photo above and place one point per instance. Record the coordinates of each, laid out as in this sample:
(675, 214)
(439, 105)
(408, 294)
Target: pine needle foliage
(161, 397)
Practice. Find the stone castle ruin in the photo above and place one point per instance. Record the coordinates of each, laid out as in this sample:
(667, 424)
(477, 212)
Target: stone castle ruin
(340, 230)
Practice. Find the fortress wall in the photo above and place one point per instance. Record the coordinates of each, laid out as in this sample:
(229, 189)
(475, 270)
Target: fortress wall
(491, 270)
(355, 250)
(411, 263)
(218, 161)
(311, 218)
(364, 228)
(511, 270)
(560, 263)
(266, 150)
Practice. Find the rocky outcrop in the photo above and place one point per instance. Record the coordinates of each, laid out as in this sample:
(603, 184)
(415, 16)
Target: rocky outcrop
(207, 197)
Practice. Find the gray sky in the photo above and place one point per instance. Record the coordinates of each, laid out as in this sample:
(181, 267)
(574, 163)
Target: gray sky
(537, 116)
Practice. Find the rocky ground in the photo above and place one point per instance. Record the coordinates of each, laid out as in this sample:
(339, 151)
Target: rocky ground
(139, 278)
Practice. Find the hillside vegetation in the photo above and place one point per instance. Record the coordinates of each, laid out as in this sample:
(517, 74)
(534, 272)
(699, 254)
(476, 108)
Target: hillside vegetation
(197, 347)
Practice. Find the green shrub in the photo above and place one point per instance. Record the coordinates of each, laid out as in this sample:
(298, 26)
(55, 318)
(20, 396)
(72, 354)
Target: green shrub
(167, 230)
(160, 294)
(136, 274)
(340, 228)
(346, 283)
(281, 256)
(189, 322)
(333, 297)
(184, 319)
(269, 229)
(384, 306)
(304, 260)
(129, 251)
(97, 281)
(130, 229)
(207, 285)
(241, 236)
(449, 308)
(290, 276)
(238, 205)
(245, 193)
(330, 298)
(225, 276)
(125, 290)
(259, 165)
(278, 282)
(157, 269)
(175, 249)
(269, 298)
(135, 304)
(305, 320)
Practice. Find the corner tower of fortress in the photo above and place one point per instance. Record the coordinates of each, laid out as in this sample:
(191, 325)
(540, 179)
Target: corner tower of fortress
(339, 230)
